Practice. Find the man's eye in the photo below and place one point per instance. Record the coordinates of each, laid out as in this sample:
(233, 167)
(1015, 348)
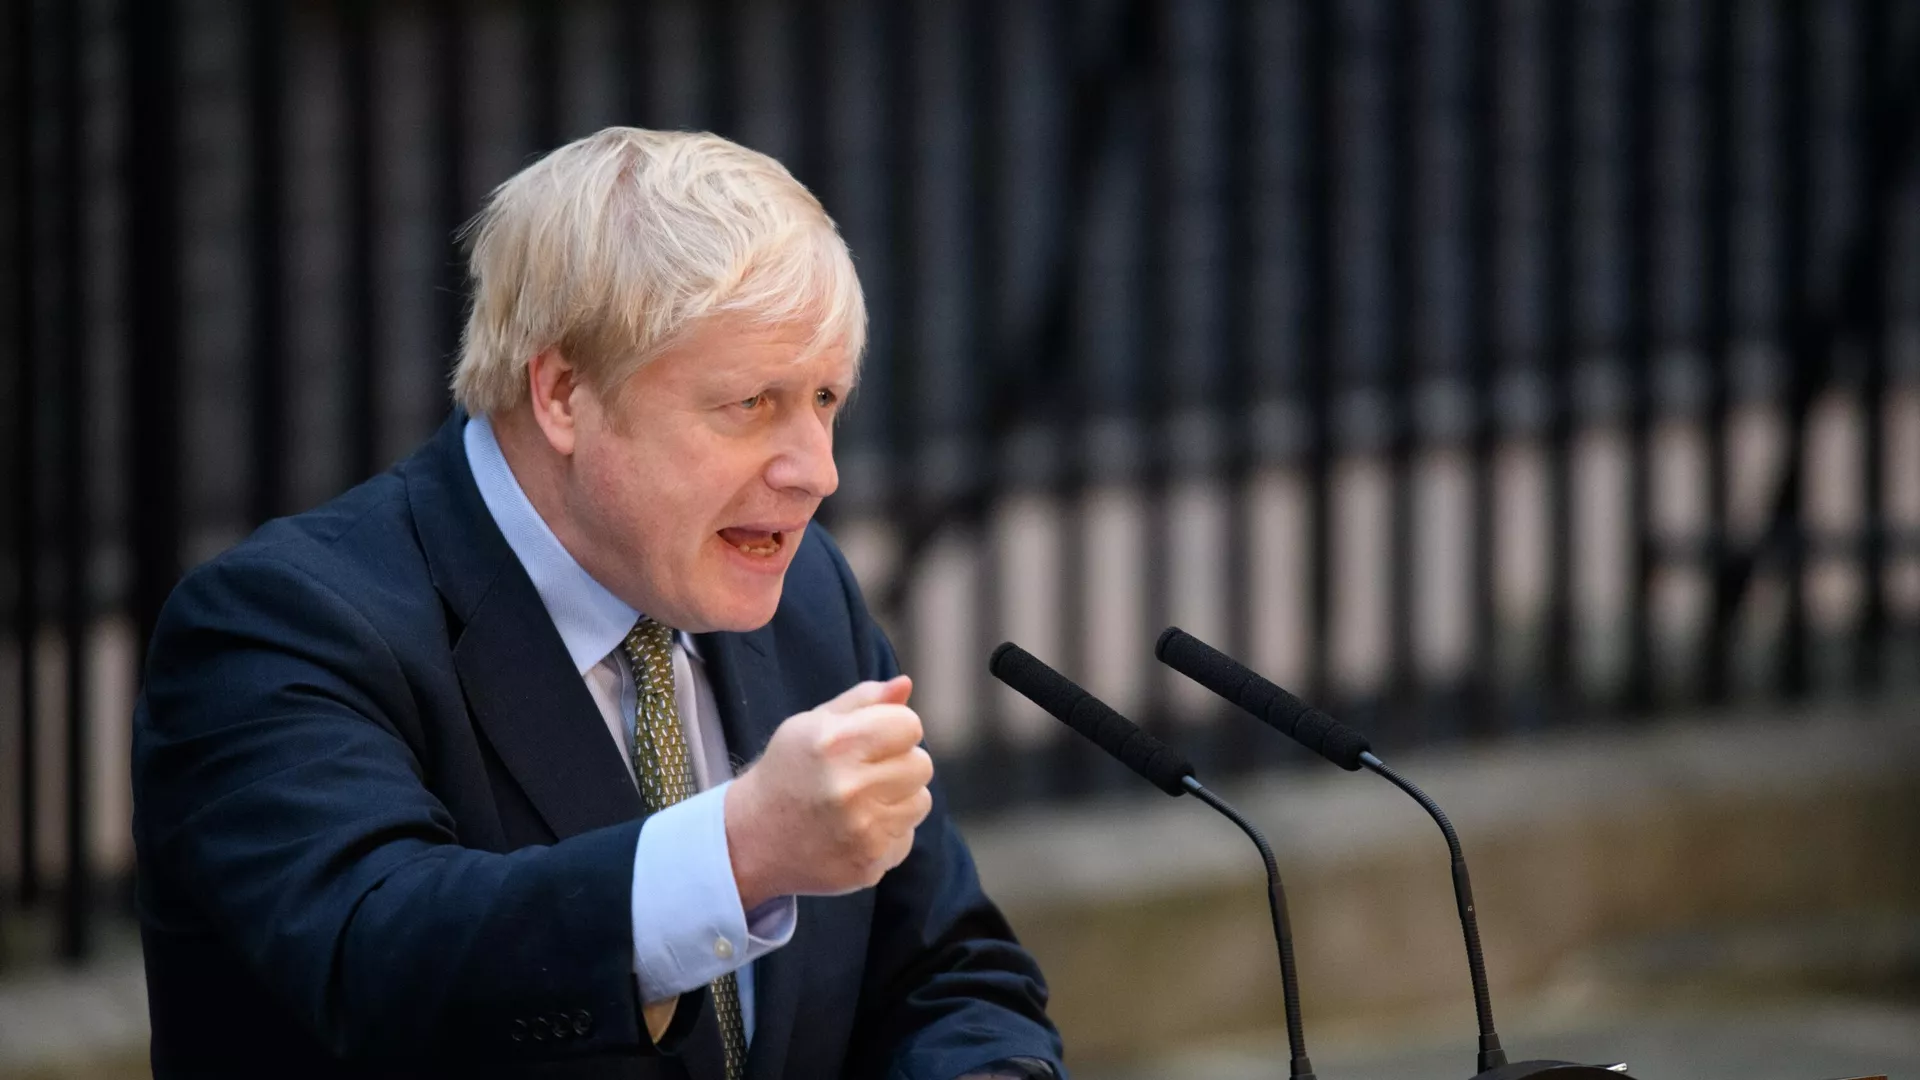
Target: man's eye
(753, 402)
(825, 398)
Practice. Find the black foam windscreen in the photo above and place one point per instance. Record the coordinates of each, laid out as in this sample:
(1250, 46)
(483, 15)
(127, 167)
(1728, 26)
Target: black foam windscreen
(1161, 765)
(1234, 681)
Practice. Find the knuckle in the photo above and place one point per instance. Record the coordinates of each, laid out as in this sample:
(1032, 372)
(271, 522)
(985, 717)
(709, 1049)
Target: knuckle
(902, 721)
(842, 793)
(823, 739)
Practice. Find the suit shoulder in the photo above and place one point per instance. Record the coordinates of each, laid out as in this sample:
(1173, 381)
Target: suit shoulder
(358, 549)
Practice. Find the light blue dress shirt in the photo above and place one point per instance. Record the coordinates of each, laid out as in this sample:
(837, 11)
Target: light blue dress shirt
(688, 924)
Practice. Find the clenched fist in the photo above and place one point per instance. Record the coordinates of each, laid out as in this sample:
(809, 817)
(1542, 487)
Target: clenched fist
(832, 803)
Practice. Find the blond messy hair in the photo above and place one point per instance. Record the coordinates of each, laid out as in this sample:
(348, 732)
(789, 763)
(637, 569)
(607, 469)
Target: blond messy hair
(613, 246)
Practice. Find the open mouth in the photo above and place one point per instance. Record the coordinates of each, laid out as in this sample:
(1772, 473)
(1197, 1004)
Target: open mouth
(756, 543)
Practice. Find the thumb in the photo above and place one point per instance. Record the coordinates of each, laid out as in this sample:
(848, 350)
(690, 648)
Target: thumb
(894, 691)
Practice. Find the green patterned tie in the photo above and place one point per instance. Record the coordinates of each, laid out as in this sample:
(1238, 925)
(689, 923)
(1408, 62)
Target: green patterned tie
(665, 773)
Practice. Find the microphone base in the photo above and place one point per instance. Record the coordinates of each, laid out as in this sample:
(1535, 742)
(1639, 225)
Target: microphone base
(1550, 1070)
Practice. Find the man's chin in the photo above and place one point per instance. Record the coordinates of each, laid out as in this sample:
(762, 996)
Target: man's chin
(742, 611)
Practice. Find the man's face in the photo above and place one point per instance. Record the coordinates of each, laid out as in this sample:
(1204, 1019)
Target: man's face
(692, 486)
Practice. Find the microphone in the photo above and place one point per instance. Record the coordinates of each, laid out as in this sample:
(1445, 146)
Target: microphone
(1348, 749)
(1231, 679)
(1162, 766)
(1168, 770)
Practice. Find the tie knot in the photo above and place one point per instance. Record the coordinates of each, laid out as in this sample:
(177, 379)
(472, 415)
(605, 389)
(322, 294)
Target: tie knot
(648, 638)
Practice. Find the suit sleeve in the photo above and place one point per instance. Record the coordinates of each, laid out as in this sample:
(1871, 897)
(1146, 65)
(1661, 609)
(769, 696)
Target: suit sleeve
(276, 792)
(947, 988)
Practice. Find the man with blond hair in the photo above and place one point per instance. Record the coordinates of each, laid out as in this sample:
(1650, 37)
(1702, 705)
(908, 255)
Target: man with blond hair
(567, 747)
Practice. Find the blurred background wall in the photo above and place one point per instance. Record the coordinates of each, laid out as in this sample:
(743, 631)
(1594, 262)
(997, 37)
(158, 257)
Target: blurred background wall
(1494, 372)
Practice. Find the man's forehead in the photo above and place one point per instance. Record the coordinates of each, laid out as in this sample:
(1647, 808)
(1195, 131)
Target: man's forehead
(776, 351)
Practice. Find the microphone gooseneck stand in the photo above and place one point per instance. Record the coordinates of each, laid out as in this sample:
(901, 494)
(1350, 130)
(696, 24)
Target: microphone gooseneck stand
(1171, 772)
(1491, 1055)
(1301, 1068)
(1348, 749)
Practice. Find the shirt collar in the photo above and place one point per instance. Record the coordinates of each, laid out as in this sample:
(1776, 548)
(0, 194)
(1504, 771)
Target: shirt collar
(591, 620)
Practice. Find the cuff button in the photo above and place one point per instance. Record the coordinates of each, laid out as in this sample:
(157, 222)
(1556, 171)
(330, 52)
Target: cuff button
(582, 1022)
(723, 948)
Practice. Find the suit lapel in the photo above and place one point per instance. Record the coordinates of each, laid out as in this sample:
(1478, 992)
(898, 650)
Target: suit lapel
(746, 687)
(520, 683)
(537, 713)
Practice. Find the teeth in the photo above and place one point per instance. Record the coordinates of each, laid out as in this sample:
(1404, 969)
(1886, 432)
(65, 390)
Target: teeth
(762, 548)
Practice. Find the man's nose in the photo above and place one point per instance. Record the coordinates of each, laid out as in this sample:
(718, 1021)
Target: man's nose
(805, 461)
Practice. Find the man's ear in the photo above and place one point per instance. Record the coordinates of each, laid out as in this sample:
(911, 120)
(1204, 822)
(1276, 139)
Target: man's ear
(551, 382)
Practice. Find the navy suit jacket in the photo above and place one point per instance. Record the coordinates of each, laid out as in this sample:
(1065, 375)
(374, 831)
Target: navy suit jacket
(381, 829)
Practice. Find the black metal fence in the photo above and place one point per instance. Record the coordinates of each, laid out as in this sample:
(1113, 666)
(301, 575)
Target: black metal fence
(1474, 365)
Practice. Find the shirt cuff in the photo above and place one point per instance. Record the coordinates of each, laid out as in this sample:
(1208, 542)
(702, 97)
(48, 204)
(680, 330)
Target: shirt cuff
(688, 926)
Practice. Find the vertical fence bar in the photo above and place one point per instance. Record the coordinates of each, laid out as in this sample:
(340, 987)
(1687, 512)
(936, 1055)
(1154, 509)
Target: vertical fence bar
(1718, 191)
(1401, 369)
(1561, 108)
(713, 89)
(902, 169)
(360, 364)
(541, 19)
(1153, 384)
(1320, 265)
(808, 45)
(981, 103)
(1639, 209)
(636, 39)
(720, 46)
(811, 51)
(450, 179)
(813, 64)
(267, 329)
(1063, 335)
(26, 625)
(1795, 123)
(1238, 300)
(155, 296)
(75, 493)
(1874, 35)
(1482, 232)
